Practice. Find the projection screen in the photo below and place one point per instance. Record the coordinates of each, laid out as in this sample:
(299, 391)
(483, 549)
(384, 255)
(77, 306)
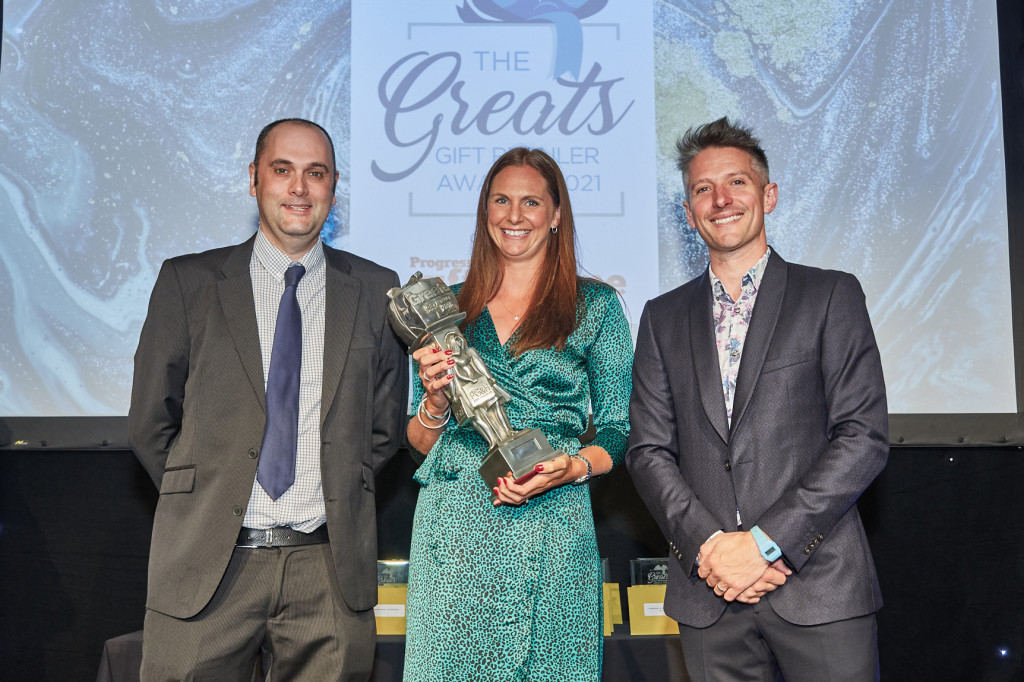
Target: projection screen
(126, 130)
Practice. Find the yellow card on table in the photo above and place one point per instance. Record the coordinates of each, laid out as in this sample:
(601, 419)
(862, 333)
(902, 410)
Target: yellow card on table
(647, 611)
(612, 607)
(616, 604)
(609, 613)
(390, 609)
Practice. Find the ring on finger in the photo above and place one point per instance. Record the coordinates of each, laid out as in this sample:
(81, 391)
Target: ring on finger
(719, 587)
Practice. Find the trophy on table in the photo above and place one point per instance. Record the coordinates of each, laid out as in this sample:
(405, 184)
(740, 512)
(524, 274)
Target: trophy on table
(426, 312)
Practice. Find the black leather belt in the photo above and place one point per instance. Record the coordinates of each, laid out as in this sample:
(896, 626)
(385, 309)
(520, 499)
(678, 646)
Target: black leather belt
(280, 537)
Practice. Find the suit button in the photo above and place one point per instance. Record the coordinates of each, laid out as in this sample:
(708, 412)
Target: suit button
(236, 510)
(820, 538)
(728, 467)
(252, 453)
(807, 550)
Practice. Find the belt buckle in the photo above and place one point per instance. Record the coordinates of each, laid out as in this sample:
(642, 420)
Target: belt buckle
(269, 537)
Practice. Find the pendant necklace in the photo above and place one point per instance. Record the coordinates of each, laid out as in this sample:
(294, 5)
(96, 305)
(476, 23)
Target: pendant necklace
(515, 317)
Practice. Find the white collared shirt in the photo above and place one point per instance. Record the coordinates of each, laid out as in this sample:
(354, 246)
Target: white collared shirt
(302, 505)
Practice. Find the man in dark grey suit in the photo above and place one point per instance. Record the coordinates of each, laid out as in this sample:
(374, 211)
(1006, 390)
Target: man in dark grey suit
(250, 560)
(754, 429)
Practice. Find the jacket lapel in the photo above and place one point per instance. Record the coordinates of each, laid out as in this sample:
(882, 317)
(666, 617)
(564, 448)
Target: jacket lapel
(705, 357)
(759, 335)
(341, 304)
(239, 308)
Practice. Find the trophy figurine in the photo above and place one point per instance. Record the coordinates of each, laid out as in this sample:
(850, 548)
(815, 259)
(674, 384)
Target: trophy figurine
(424, 312)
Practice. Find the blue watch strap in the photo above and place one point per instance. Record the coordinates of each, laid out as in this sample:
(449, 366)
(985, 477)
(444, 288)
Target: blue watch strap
(769, 550)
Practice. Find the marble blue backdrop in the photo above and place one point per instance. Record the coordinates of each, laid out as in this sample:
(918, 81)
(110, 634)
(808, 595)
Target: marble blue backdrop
(126, 128)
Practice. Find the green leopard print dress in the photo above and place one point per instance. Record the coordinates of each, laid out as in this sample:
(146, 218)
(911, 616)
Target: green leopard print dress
(514, 593)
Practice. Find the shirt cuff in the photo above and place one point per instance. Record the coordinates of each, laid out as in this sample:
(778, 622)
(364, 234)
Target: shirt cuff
(717, 532)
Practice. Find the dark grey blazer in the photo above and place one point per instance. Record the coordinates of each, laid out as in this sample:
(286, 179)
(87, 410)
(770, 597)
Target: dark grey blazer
(809, 433)
(198, 410)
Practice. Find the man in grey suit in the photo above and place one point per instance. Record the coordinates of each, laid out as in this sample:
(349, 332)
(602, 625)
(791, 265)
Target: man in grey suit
(264, 541)
(755, 428)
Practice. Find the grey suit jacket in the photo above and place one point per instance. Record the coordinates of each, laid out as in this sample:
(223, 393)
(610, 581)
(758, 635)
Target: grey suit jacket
(809, 433)
(198, 410)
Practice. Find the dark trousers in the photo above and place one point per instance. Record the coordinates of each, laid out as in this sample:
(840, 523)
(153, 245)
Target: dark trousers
(752, 643)
(276, 606)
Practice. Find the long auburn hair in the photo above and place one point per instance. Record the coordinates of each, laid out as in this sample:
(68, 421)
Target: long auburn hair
(553, 311)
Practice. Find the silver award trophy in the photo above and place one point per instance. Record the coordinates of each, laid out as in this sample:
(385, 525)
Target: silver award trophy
(425, 312)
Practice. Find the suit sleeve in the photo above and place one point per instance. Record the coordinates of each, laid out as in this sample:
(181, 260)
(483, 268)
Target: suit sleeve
(161, 370)
(857, 430)
(391, 394)
(653, 454)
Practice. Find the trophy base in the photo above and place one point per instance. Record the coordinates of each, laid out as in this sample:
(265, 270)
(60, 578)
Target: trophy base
(520, 454)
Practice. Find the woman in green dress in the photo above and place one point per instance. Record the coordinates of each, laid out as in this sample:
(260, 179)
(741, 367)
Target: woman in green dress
(510, 589)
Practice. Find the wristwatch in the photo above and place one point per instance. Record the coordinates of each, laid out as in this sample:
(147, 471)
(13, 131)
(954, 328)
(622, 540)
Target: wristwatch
(590, 470)
(769, 550)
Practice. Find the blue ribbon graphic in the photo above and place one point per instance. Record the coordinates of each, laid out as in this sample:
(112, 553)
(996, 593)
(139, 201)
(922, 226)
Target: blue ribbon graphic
(564, 15)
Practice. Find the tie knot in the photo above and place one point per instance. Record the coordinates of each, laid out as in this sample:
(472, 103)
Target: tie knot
(293, 274)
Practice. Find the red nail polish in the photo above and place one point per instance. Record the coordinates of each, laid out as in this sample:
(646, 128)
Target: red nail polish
(495, 491)
(539, 468)
(447, 352)
(450, 361)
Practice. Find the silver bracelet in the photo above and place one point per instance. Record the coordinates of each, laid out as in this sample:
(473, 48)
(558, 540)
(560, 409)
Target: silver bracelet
(422, 408)
(590, 470)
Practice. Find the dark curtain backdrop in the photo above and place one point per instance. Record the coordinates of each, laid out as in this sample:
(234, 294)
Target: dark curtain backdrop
(944, 525)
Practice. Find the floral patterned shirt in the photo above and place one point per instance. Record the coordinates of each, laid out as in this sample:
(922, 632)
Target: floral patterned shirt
(732, 319)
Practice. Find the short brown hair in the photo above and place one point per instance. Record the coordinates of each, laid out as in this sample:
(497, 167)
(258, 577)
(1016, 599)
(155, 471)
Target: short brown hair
(261, 142)
(720, 133)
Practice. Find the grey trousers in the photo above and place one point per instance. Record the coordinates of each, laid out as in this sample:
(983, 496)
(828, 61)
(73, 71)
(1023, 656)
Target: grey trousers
(277, 610)
(752, 643)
